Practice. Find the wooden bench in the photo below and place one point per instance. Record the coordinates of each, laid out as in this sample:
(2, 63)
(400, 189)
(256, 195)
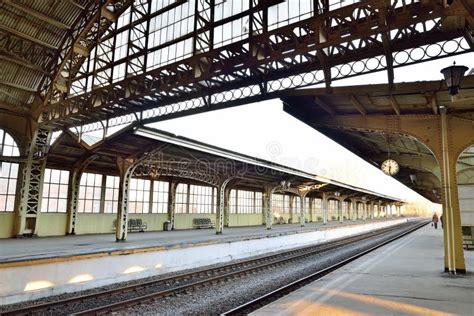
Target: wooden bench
(202, 223)
(134, 225)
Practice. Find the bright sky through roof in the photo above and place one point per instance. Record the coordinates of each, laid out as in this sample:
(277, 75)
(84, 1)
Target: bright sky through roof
(263, 130)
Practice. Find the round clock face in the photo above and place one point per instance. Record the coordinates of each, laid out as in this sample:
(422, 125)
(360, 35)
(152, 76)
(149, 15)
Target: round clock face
(390, 167)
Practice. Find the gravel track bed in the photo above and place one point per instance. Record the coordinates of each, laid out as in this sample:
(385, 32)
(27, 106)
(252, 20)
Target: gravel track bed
(218, 298)
(211, 298)
(55, 298)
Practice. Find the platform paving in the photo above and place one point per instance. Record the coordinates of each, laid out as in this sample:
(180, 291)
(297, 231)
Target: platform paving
(25, 249)
(402, 278)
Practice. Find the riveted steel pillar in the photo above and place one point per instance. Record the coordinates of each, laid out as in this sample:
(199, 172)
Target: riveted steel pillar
(302, 211)
(267, 207)
(453, 250)
(125, 170)
(172, 202)
(226, 207)
(72, 199)
(73, 193)
(325, 208)
(31, 190)
(291, 201)
(221, 206)
(339, 210)
(353, 210)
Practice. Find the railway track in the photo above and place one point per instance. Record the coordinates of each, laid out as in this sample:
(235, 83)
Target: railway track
(274, 295)
(125, 297)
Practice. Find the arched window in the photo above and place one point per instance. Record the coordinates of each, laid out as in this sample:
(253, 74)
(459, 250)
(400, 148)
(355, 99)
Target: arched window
(8, 172)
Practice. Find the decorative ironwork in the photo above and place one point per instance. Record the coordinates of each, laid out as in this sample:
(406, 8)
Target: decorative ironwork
(221, 208)
(360, 38)
(32, 181)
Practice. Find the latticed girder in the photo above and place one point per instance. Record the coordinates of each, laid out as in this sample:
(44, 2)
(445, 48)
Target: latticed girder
(365, 37)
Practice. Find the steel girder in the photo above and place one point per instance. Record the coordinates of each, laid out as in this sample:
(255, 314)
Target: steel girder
(91, 26)
(361, 38)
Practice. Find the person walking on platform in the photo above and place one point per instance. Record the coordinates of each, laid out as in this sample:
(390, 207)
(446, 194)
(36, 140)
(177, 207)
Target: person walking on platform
(435, 220)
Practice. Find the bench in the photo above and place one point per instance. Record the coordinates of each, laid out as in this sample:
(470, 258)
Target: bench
(134, 225)
(202, 223)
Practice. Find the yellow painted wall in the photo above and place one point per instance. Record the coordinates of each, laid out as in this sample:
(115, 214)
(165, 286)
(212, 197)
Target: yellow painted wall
(317, 217)
(245, 219)
(94, 223)
(52, 224)
(7, 220)
(185, 221)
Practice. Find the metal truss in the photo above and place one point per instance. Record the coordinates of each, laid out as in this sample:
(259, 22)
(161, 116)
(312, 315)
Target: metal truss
(179, 171)
(32, 181)
(361, 38)
(91, 26)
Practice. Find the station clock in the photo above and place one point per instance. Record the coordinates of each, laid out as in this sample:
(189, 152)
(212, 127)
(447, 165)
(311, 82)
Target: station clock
(390, 167)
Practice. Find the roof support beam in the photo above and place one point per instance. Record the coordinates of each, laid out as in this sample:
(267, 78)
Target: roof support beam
(27, 37)
(323, 105)
(434, 104)
(356, 103)
(395, 105)
(14, 58)
(37, 14)
(17, 86)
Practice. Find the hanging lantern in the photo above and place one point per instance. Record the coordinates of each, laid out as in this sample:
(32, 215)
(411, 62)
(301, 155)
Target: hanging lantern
(453, 76)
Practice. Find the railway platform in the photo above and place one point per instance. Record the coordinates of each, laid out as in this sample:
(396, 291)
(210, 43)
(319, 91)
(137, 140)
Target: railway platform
(63, 248)
(401, 278)
(35, 268)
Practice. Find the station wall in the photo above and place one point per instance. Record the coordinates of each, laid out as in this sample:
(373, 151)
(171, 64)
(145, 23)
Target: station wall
(466, 204)
(55, 224)
(7, 220)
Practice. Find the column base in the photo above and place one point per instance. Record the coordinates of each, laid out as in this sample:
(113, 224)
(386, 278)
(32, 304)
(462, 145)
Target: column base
(218, 233)
(456, 271)
(120, 240)
(269, 228)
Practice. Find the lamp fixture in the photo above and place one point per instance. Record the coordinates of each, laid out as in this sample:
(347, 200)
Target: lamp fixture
(453, 76)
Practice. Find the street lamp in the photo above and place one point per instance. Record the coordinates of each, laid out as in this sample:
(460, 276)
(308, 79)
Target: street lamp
(453, 76)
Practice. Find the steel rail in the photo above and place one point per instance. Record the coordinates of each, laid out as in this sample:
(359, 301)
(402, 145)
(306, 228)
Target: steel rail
(272, 296)
(238, 268)
(190, 287)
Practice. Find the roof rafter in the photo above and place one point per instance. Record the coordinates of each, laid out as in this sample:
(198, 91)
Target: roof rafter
(14, 58)
(37, 14)
(27, 37)
(359, 107)
(395, 105)
(323, 105)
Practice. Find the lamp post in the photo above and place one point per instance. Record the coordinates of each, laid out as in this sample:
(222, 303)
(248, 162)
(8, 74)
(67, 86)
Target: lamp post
(453, 76)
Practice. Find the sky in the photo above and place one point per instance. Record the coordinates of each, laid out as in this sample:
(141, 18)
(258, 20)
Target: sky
(265, 131)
